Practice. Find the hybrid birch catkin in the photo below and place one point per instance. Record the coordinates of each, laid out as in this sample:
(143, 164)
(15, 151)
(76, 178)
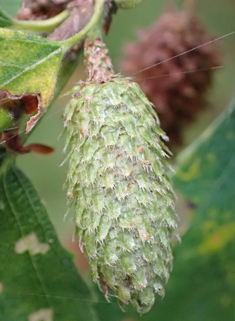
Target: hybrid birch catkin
(117, 180)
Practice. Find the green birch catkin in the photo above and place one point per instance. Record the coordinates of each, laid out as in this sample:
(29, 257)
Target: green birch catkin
(117, 181)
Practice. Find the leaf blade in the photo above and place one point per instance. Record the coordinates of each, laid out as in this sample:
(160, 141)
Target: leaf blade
(43, 59)
(37, 274)
(29, 65)
(5, 20)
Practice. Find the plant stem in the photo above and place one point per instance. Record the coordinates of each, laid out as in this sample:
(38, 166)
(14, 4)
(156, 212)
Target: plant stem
(98, 9)
(42, 25)
(6, 159)
(99, 71)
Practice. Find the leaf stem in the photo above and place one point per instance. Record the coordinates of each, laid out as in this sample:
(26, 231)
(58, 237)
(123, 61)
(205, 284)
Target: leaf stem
(42, 25)
(98, 9)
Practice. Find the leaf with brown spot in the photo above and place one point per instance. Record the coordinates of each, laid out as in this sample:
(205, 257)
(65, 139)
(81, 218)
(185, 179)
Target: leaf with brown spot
(39, 276)
(29, 67)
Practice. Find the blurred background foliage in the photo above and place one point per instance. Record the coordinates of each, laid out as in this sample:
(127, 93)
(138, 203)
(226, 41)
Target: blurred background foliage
(48, 177)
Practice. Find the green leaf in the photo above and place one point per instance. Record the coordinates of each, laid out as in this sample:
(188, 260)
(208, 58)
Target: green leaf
(5, 20)
(204, 274)
(38, 280)
(70, 63)
(202, 284)
(29, 64)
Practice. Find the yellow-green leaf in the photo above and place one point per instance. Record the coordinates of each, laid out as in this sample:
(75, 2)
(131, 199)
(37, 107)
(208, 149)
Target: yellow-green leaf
(29, 64)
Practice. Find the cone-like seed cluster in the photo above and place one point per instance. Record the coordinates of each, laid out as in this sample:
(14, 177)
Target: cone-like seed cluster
(124, 200)
(175, 83)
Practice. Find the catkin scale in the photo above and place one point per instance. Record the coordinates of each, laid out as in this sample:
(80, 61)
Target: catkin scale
(117, 180)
